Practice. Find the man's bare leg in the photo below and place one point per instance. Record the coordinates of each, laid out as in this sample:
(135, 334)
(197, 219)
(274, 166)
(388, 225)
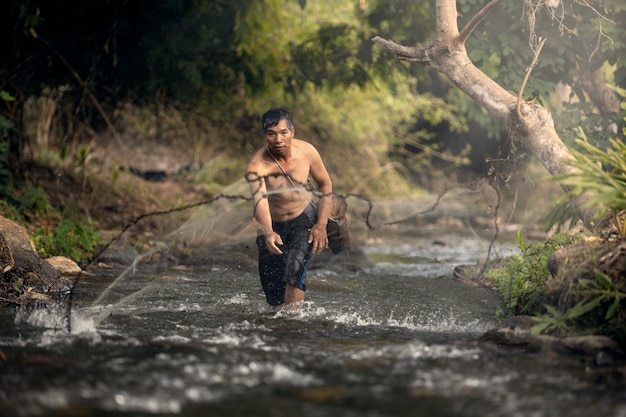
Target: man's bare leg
(294, 297)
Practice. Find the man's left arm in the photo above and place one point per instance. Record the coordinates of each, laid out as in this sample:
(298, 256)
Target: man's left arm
(324, 184)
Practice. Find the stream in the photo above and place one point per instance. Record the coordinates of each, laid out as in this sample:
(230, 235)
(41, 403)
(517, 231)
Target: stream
(399, 338)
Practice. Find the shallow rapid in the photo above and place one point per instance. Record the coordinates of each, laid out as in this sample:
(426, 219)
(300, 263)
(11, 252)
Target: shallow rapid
(399, 338)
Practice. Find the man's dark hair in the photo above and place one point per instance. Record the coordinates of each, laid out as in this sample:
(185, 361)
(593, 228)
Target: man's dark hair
(273, 117)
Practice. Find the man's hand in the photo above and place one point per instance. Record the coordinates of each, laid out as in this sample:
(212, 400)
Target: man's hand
(318, 237)
(273, 240)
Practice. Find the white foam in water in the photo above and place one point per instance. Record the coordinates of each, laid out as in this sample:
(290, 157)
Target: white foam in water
(417, 349)
(232, 339)
(199, 393)
(436, 321)
(355, 319)
(124, 401)
(254, 373)
(238, 299)
(450, 383)
(226, 339)
(283, 374)
(173, 339)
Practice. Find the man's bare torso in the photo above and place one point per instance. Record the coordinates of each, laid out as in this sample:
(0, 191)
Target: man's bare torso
(287, 198)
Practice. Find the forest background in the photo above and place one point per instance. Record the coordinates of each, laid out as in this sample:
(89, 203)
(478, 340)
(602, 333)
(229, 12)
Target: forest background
(94, 91)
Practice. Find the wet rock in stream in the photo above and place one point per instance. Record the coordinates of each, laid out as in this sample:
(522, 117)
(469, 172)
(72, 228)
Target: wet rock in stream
(516, 332)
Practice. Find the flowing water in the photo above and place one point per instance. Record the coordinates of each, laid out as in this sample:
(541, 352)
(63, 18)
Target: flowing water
(399, 338)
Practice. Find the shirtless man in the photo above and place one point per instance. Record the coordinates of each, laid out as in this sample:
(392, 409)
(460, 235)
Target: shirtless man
(291, 224)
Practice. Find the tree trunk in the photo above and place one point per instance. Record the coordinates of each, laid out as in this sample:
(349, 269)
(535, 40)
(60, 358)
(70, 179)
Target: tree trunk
(46, 104)
(532, 126)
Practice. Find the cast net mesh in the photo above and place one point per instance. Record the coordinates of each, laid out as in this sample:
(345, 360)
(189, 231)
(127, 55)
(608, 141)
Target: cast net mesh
(221, 230)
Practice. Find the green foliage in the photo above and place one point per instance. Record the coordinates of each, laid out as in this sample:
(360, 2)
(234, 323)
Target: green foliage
(605, 291)
(587, 33)
(233, 56)
(31, 199)
(588, 303)
(600, 309)
(519, 238)
(16, 200)
(560, 323)
(68, 239)
(5, 124)
(80, 157)
(601, 174)
(15, 283)
(240, 55)
(354, 155)
(521, 279)
(559, 215)
(582, 37)
(20, 201)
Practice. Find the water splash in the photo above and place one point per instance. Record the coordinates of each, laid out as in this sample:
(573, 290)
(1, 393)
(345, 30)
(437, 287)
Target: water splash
(98, 313)
(48, 316)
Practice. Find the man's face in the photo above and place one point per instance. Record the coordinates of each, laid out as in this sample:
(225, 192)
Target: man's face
(279, 137)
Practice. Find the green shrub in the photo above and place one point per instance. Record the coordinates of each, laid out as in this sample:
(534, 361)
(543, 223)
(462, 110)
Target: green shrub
(599, 309)
(68, 239)
(601, 173)
(32, 199)
(521, 278)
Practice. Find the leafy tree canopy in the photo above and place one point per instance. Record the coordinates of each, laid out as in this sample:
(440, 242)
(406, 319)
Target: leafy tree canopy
(584, 41)
(228, 53)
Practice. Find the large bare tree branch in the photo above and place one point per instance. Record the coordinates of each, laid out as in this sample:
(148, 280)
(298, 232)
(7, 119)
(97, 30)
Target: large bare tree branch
(447, 27)
(475, 21)
(404, 53)
(532, 125)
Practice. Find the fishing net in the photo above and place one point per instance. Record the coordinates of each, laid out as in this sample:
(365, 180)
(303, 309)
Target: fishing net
(222, 231)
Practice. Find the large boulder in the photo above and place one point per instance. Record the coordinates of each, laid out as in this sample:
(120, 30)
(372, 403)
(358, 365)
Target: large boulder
(25, 275)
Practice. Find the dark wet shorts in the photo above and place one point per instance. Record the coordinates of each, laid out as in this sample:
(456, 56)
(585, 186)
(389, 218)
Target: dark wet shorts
(290, 267)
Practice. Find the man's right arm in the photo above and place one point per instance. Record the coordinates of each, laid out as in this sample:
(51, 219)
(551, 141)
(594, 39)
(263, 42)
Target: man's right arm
(262, 214)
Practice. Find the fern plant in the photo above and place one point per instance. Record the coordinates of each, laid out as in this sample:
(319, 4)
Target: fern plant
(606, 187)
(602, 175)
(521, 278)
(600, 301)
